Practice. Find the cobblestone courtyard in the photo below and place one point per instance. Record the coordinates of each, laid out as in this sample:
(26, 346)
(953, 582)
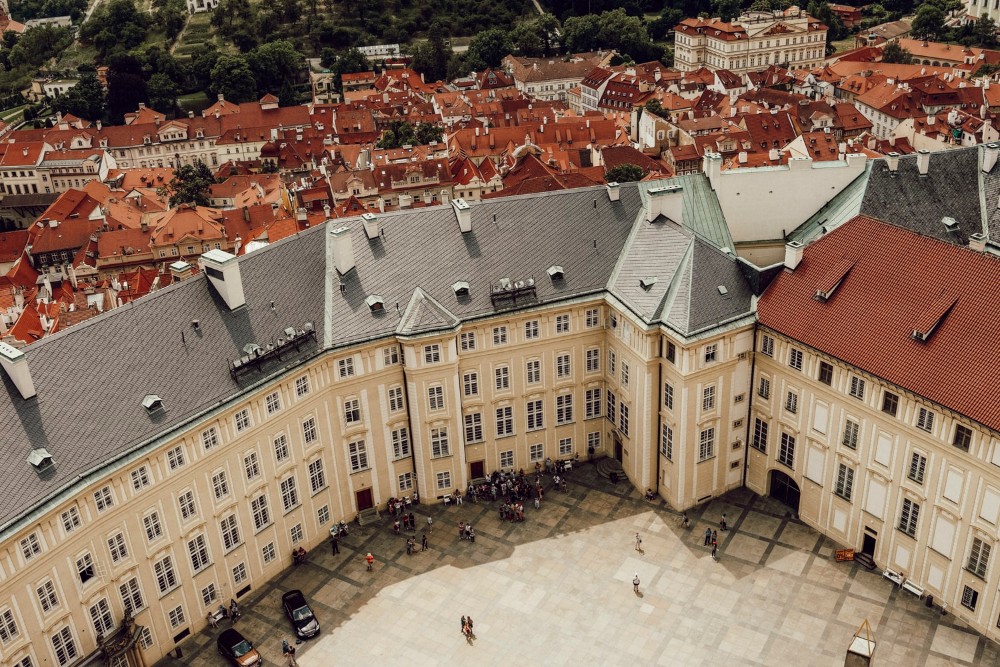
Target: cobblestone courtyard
(557, 590)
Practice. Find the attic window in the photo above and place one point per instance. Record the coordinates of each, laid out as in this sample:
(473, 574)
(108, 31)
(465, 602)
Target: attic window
(647, 282)
(555, 272)
(40, 458)
(376, 304)
(152, 403)
(831, 281)
(951, 224)
(932, 316)
(461, 288)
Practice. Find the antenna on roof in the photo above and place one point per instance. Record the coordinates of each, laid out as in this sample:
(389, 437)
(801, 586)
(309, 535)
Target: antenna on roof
(595, 202)
(183, 340)
(595, 244)
(272, 305)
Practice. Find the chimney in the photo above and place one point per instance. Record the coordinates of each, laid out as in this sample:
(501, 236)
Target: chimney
(99, 126)
(892, 162)
(990, 154)
(930, 119)
(923, 161)
(223, 271)
(463, 213)
(342, 249)
(614, 191)
(977, 242)
(15, 365)
(370, 221)
(793, 254)
(667, 201)
(713, 167)
(326, 211)
(181, 270)
(301, 215)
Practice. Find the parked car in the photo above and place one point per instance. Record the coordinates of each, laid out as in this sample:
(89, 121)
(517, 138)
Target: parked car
(298, 612)
(237, 649)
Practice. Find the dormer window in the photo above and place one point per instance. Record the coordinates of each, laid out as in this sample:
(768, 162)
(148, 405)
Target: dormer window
(461, 289)
(152, 403)
(375, 304)
(555, 272)
(40, 458)
(647, 282)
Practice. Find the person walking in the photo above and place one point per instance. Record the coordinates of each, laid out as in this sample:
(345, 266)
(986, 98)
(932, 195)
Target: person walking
(290, 660)
(334, 545)
(708, 537)
(722, 523)
(685, 523)
(234, 611)
(370, 560)
(461, 627)
(635, 582)
(715, 550)
(423, 542)
(638, 542)
(284, 647)
(715, 537)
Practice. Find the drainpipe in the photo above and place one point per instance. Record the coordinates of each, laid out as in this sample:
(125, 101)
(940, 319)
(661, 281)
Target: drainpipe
(746, 440)
(659, 410)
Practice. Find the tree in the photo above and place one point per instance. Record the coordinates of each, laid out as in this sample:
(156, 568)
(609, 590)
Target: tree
(625, 173)
(654, 107)
(233, 78)
(402, 133)
(727, 10)
(430, 58)
(85, 99)
(894, 53)
(348, 62)
(162, 92)
(581, 33)
(274, 63)
(126, 87)
(116, 25)
(199, 68)
(526, 41)
(929, 22)
(190, 184)
(488, 49)
(985, 32)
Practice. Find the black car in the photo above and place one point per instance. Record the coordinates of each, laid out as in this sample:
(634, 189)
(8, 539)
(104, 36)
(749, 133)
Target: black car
(299, 613)
(238, 649)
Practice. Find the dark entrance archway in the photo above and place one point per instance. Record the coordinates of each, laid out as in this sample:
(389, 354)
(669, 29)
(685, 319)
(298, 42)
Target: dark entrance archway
(785, 489)
(618, 447)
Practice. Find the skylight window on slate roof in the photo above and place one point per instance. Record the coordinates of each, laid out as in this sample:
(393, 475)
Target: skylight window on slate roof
(461, 288)
(833, 278)
(723, 290)
(555, 272)
(152, 402)
(932, 316)
(375, 304)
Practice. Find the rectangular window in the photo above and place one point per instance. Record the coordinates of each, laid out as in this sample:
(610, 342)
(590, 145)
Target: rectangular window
(593, 318)
(432, 354)
(470, 384)
(908, 517)
(667, 442)
(792, 402)
(272, 402)
(851, 431)
(30, 546)
(764, 388)
(301, 386)
(593, 403)
(565, 446)
(439, 442)
(708, 398)
(317, 475)
(500, 335)
(390, 355)
(117, 547)
(501, 375)
(563, 369)
(151, 522)
(140, 478)
(564, 409)
(925, 420)
(47, 596)
(175, 457)
(268, 552)
(198, 550)
(289, 493)
(166, 577)
(767, 345)
(358, 453)
(104, 498)
(507, 459)
(825, 373)
(612, 409)
(786, 452)
(131, 596)
(593, 360)
(795, 359)
(593, 440)
(100, 616)
(623, 424)
(209, 594)
(671, 352)
(8, 626)
(220, 485)
(250, 466)
(176, 617)
(890, 403)
(345, 367)
(845, 481)
(857, 387)
(405, 481)
(759, 440)
(668, 396)
(918, 464)
(65, 646)
(400, 442)
(970, 598)
(186, 503)
(352, 411)
(612, 363)
(230, 530)
(443, 480)
(467, 341)
(963, 438)
(435, 397)
(710, 352)
(706, 444)
(562, 324)
(625, 375)
(309, 432)
(504, 424)
(71, 519)
(531, 329)
(85, 568)
(533, 371)
(261, 512)
(536, 452)
(242, 420)
(296, 533)
(395, 399)
(979, 558)
(533, 409)
(280, 448)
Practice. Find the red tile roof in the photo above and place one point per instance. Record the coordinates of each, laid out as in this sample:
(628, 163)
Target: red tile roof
(898, 283)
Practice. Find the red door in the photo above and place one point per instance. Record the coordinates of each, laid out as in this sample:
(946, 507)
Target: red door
(365, 499)
(477, 469)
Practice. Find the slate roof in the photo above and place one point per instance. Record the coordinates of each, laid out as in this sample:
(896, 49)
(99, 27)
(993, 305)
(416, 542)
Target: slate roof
(868, 321)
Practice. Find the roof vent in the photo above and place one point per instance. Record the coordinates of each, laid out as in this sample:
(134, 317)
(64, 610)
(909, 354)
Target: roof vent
(555, 272)
(251, 348)
(950, 223)
(832, 280)
(375, 304)
(15, 364)
(723, 290)
(932, 316)
(40, 458)
(647, 282)
(461, 288)
(152, 403)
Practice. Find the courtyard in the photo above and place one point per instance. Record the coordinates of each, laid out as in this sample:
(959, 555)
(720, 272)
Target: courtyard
(557, 590)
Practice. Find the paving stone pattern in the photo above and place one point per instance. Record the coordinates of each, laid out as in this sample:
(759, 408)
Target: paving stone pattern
(557, 590)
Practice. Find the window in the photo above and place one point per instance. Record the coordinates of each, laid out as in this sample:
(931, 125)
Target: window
(345, 367)
(176, 616)
(667, 442)
(432, 354)
(8, 626)
(186, 503)
(250, 466)
(925, 420)
(706, 444)
(625, 375)
(435, 397)
(209, 594)
(501, 376)
(534, 411)
(309, 432)
(166, 577)
(918, 464)
(531, 329)
(499, 335)
(295, 532)
(612, 362)
(767, 345)
(242, 420)
(405, 481)
(564, 408)
(792, 402)
(301, 386)
(352, 411)
(851, 431)
(593, 403)
(563, 368)
(220, 485)
(970, 597)
(140, 478)
(565, 446)
(845, 481)
(272, 402)
(668, 396)
(857, 387)
(504, 424)
(317, 475)
(795, 359)
(117, 547)
(612, 411)
(290, 492)
(710, 352)
(64, 646)
(623, 419)
(592, 318)
(358, 453)
(71, 519)
(151, 522)
(443, 480)
(963, 438)
(786, 452)
(562, 324)
(230, 530)
(979, 558)
(439, 442)
(268, 552)
(507, 459)
(30, 546)
(131, 596)
(85, 568)
(908, 517)
(390, 355)
(400, 442)
(198, 550)
(825, 373)
(708, 398)
(536, 452)
(395, 399)
(467, 340)
(764, 388)
(593, 360)
(890, 403)
(593, 440)
(104, 498)
(100, 616)
(759, 440)
(671, 352)
(533, 372)
(470, 384)
(261, 512)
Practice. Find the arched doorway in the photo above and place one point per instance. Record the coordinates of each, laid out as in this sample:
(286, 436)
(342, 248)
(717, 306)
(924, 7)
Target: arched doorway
(785, 489)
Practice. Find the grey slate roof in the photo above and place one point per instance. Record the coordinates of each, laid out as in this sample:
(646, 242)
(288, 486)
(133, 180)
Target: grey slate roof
(700, 209)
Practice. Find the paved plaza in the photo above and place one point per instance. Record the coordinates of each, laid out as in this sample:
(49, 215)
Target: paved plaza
(557, 590)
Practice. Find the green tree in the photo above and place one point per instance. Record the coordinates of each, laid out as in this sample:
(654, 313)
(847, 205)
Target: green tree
(727, 10)
(625, 173)
(654, 107)
(581, 33)
(190, 184)
(126, 87)
(199, 68)
(488, 48)
(274, 63)
(116, 25)
(526, 41)
(347, 62)
(233, 78)
(172, 17)
(929, 22)
(162, 92)
(430, 58)
(85, 99)
(985, 32)
(894, 53)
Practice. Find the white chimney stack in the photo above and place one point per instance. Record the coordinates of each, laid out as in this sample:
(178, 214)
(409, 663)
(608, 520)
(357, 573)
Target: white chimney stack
(990, 154)
(614, 191)
(223, 273)
(793, 254)
(342, 247)
(977, 242)
(463, 213)
(892, 162)
(667, 201)
(370, 221)
(15, 365)
(923, 161)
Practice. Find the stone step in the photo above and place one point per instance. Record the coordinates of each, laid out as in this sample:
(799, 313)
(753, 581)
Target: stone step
(368, 516)
(608, 465)
(864, 560)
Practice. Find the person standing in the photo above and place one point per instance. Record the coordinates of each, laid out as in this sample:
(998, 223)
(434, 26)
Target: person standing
(635, 582)
(715, 537)
(708, 536)
(284, 647)
(722, 523)
(638, 542)
(423, 542)
(291, 661)
(370, 559)
(461, 627)
(715, 550)
(685, 523)
(334, 546)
